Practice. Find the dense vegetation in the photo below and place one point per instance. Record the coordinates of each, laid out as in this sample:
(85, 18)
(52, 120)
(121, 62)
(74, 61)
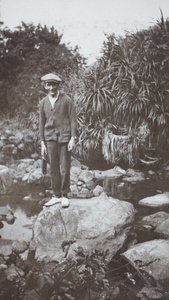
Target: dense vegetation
(126, 98)
(28, 53)
(87, 276)
(122, 100)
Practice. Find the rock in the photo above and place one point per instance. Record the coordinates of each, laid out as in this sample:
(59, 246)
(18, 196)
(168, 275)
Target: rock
(79, 183)
(8, 132)
(98, 174)
(3, 267)
(2, 260)
(25, 177)
(90, 185)
(150, 257)
(4, 211)
(6, 180)
(19, 247)
(166, 168)
(18, 230)
(35, 176)
(42, 194)
(97, 223)
(155, 219)
(21, 146)
(98, 190)
(150, 172)
(14, 151)
(75, 163)
(159, 191)
(132, 172)
(111, 173)
(29, 169)
(150, 293)
(18, 138)
(27, 198)
(133, 176)
(4, 139)
(119, 170)
(74, 174)
(37, 163)
(74, 190)
(163, 228)
(158, 222)
(10, 218)
(156, 201)
(84, 193)
(25, 163)
(13, 272)
(86, 176)
(24, 255)
(35, 156)
(8, 149)
(5, 247)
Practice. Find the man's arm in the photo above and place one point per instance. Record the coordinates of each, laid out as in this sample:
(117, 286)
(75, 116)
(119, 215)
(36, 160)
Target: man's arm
(73, 124)
(42, 122)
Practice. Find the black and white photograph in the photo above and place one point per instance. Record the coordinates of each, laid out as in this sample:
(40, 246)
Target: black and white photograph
(84, 150)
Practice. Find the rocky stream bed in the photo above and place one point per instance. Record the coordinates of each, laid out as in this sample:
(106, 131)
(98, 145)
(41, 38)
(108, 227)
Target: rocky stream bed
(111, 243)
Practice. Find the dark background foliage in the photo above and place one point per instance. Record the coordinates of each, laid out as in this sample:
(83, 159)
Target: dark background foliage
(28, 53)
(122, 100)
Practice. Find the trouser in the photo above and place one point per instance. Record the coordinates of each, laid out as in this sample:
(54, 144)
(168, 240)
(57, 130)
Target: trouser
(59, 161)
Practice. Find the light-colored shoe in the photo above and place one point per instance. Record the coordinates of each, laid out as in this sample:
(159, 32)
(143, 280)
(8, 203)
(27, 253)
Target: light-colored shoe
(53, 201)
(65, 202)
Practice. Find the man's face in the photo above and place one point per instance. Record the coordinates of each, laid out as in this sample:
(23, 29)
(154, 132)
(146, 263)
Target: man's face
(52, 88)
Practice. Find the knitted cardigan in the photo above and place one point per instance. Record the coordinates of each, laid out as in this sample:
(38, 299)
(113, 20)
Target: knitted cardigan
(58, 123)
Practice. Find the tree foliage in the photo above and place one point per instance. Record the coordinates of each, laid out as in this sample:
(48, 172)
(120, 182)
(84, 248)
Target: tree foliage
(27, 53)
(122, 100)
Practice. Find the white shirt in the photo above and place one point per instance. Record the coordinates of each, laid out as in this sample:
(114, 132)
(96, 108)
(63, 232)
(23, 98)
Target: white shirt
(53, 99)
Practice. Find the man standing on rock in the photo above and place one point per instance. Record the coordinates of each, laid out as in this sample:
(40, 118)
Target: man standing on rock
(58, 127)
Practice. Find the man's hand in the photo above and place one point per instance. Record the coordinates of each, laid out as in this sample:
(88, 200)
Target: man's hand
(43, 149)
(71, 144)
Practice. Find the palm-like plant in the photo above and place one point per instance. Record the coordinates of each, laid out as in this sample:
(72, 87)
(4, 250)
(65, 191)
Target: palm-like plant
(98, 96)
(95, 109)
(128, 87)
(141, 63)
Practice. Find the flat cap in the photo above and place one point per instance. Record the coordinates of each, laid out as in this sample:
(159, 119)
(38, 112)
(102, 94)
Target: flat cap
(51, 78)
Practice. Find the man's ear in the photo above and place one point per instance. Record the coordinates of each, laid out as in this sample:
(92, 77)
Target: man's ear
(45, 86)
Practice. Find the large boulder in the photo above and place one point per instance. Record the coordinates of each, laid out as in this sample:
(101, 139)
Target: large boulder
(98, 223)
(150, 258)
(6, 180)
(156, 200)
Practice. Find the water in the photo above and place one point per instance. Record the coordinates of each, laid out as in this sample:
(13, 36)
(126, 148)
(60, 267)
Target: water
(26, 211)
(133, 192)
